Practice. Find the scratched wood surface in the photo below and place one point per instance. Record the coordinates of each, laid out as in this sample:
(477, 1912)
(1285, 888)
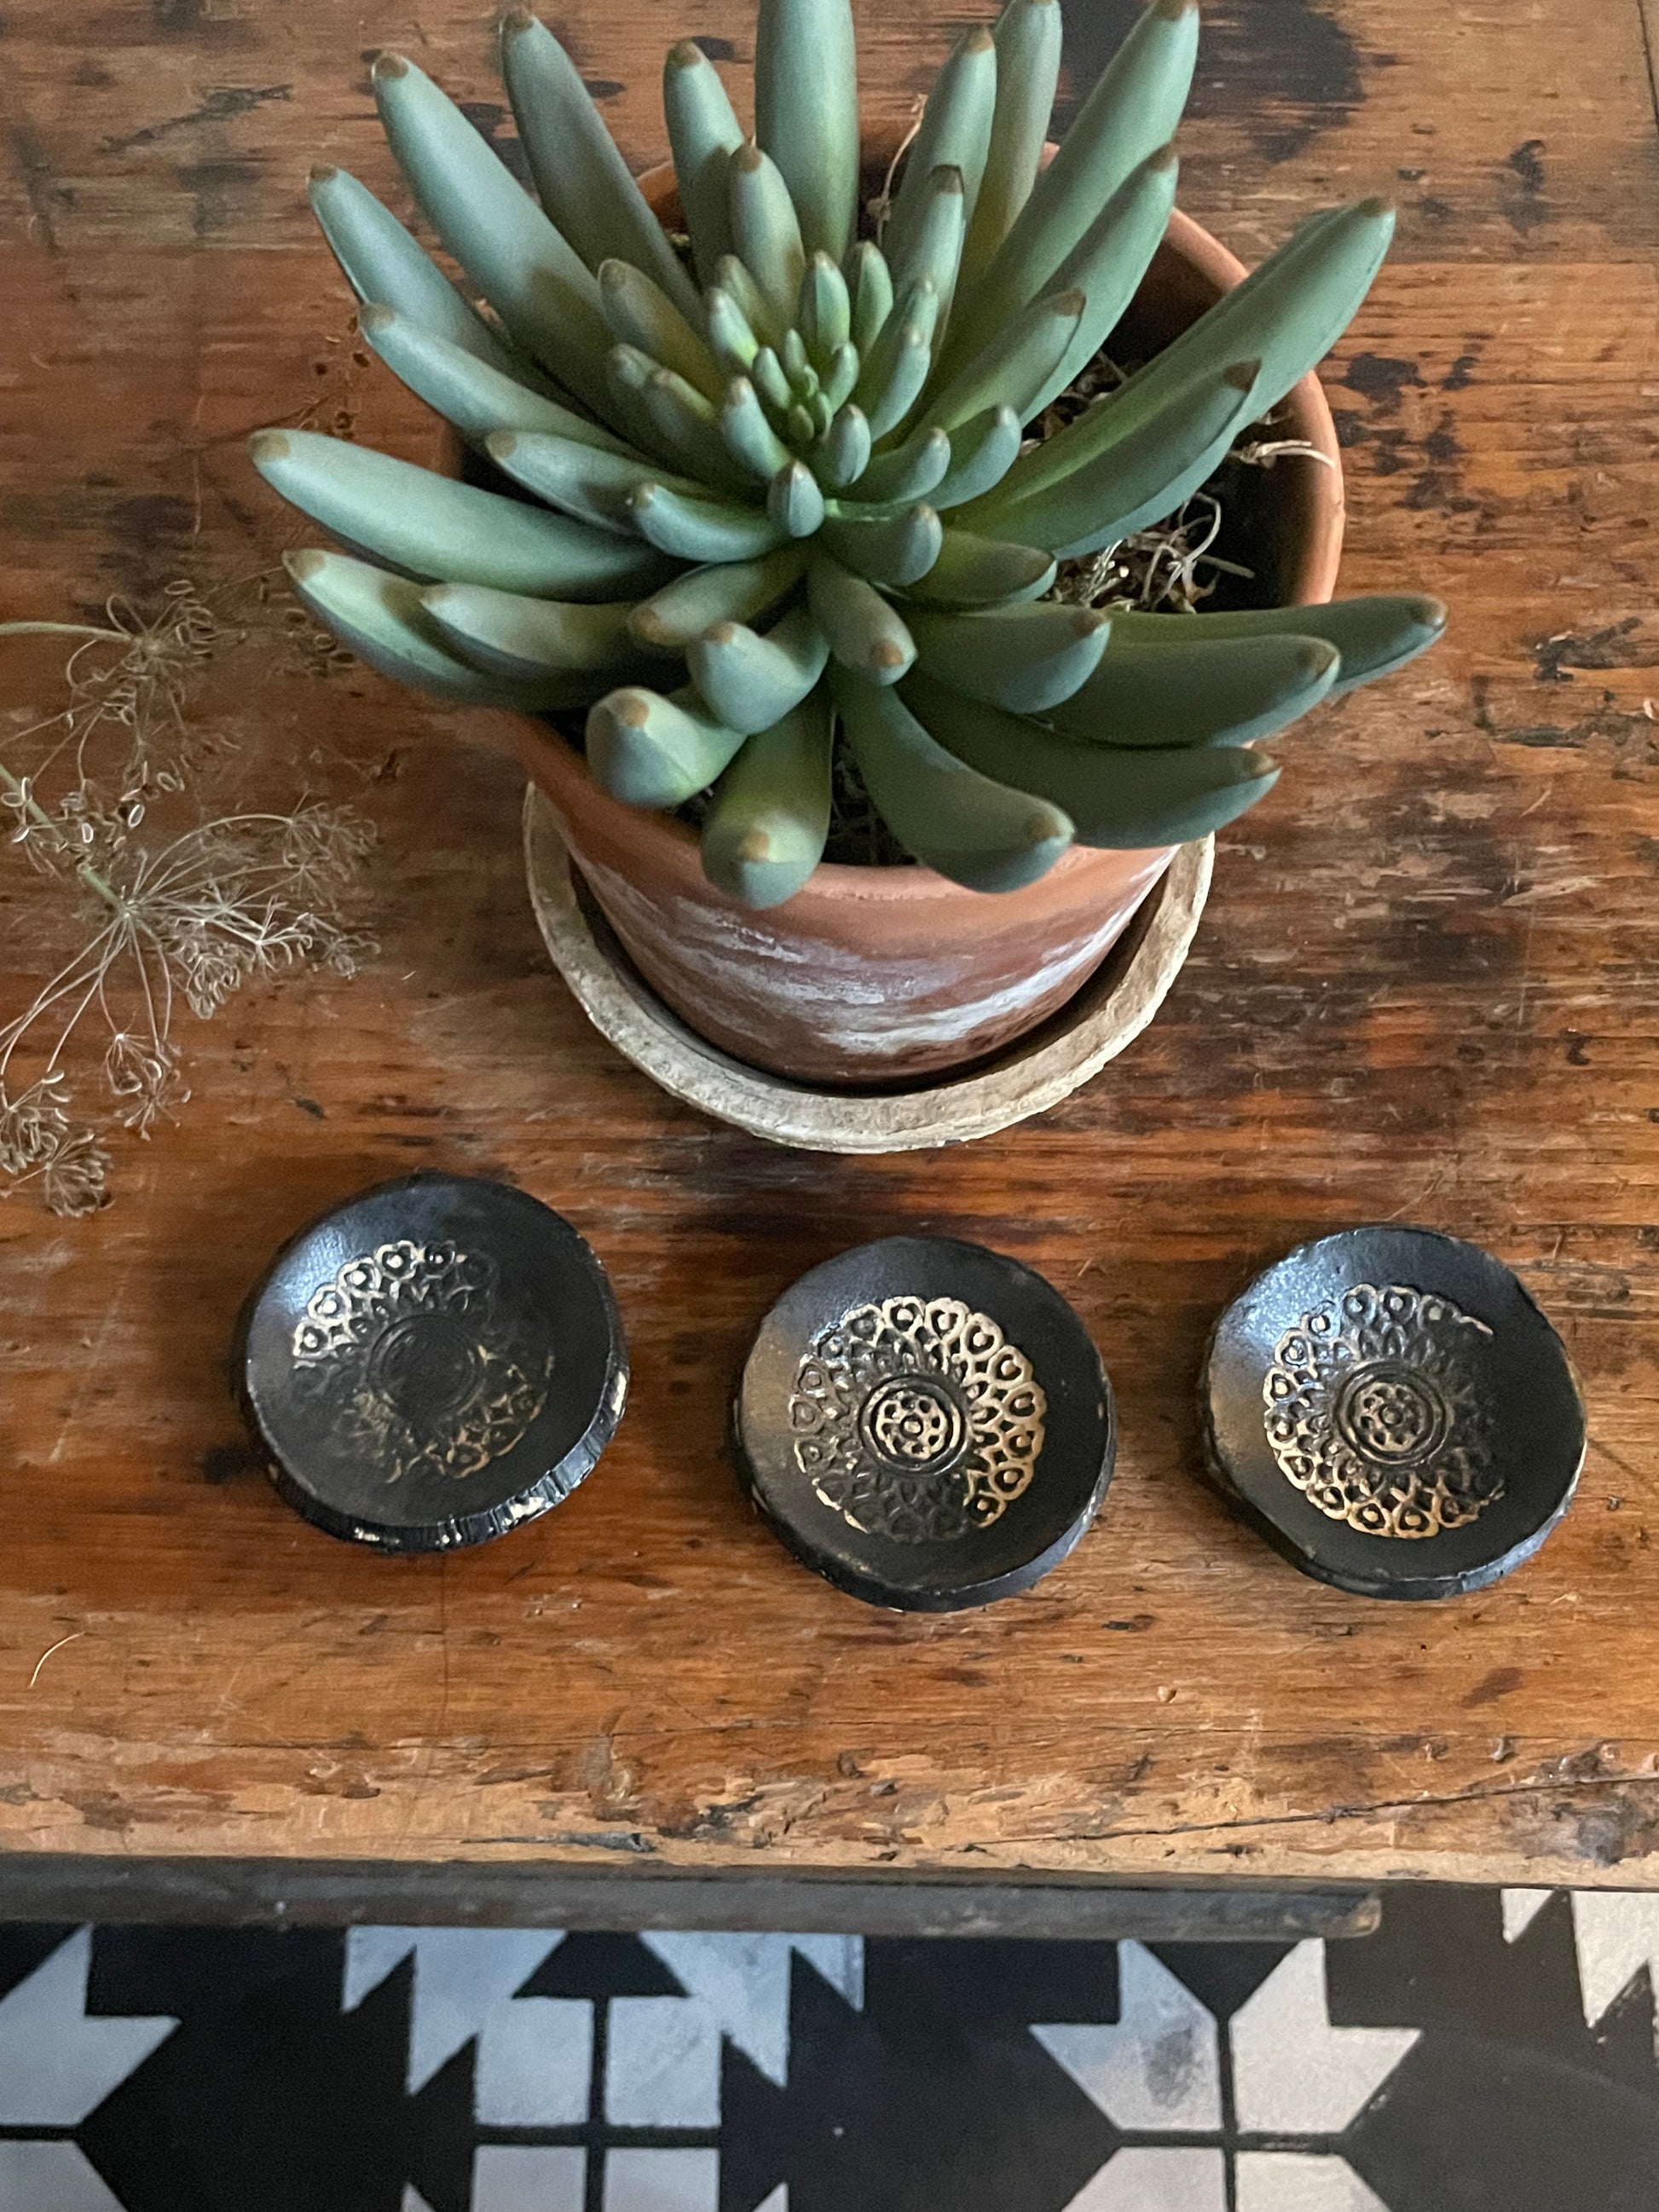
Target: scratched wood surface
(1425, 990)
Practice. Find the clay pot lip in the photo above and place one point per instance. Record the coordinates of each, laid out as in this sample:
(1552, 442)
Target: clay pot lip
(1317, 559)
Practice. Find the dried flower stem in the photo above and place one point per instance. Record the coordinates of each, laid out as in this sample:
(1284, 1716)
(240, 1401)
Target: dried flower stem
(59, 629)
(24, 800)
(1265, 452)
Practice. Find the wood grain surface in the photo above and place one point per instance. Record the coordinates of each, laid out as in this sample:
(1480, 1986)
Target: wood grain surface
(1425, 990)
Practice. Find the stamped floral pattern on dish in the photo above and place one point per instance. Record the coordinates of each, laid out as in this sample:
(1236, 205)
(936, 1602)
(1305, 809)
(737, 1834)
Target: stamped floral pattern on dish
(1374, 1409)
(425, 1370)
(917, 1419)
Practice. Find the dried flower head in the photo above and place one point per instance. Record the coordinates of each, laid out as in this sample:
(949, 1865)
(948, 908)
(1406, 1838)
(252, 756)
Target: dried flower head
(39, 1143)
(224, 901)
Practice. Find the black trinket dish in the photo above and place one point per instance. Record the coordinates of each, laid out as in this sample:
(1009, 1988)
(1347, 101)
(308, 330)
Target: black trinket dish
(1394, 1414)
(434, 1363)
(926, 1423)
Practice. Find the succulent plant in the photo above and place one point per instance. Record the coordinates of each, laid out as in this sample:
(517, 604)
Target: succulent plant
(780, 478)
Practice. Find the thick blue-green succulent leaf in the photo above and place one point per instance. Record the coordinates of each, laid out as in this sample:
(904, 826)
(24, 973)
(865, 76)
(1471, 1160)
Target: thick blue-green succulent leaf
(1120, 801)
(866, 632)
(380, 618)
(767, 233)
(703, 530)
(649, 750)
(1230, 692)
(750, 682)
(795, 501)
(1140, 478)
(982, 450)
(585, 184)
(1132, 111)
(478, 398)
(1110, 259)
(733, 591)
(443, 532)
(1026, 658)
(383, 262)
(984, 572)
(732, 337)
(768, 818)
(895, 549)
(806, 113)
(535, 280)
(932, 251)
(1375, 635)
(593, 487)
(674, 420)
(897, 367)
(704, 133)
(641, 313)
(824, 316)
(845, 455)
(1286, 316)
(912, 470)
(767, 321)
(870, 282)
(539, 640)
(1016, 369)
(1029, 38)
(966, 823)
(955, 134)
(749, 434)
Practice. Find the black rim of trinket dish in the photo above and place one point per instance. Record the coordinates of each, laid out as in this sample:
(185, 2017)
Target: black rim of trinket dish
(432, 1364)
(926, 1423)
(1390, 1409)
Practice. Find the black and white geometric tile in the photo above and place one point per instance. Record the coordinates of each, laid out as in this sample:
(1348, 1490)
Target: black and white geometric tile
(1485, 2052)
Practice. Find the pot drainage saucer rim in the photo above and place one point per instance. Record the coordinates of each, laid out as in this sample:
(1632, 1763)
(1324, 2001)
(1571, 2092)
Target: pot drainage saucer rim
(1104, 1018)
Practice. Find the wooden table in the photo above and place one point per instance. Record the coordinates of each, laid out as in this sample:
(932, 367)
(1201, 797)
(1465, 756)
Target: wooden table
(1425, 990)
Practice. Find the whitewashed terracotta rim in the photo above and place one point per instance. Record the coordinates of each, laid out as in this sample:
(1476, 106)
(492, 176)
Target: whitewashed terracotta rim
(1105, 1017)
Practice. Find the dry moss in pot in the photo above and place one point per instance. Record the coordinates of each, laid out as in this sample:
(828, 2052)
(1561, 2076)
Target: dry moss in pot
(786, 495)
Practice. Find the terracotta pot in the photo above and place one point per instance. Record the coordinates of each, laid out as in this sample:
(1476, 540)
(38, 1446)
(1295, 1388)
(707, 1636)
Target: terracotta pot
(872, 977)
